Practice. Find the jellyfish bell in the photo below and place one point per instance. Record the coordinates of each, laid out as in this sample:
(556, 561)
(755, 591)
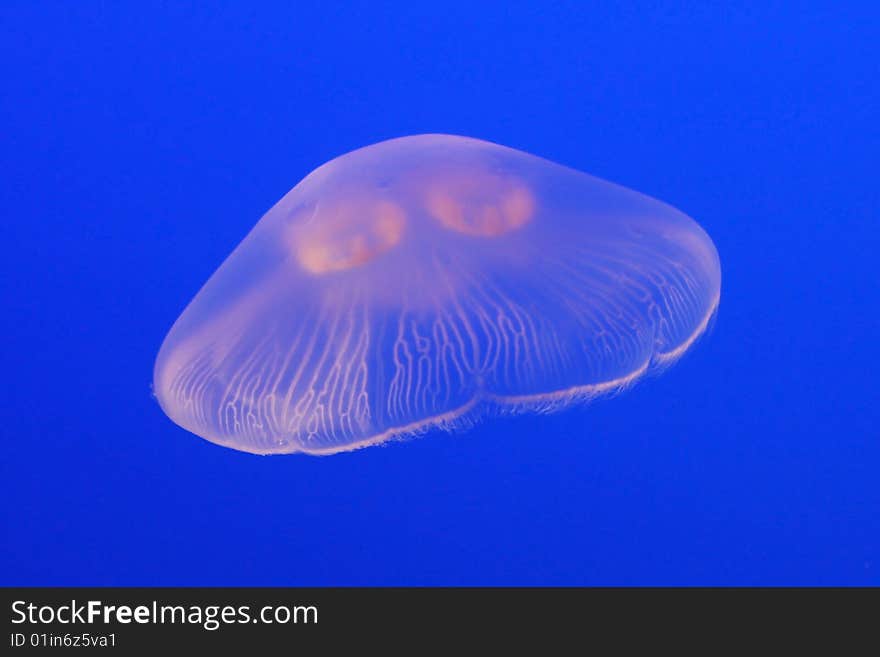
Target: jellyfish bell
(416, 283)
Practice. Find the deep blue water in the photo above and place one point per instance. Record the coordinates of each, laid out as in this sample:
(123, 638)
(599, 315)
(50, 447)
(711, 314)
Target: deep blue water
(139, 145)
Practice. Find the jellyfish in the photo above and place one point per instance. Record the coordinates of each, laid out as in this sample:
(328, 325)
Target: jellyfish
(424, 282)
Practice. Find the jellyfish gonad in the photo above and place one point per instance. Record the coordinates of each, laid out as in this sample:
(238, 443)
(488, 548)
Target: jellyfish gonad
(424, 281)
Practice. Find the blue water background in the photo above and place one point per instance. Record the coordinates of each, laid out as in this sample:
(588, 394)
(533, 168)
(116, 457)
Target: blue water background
(139, 142)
